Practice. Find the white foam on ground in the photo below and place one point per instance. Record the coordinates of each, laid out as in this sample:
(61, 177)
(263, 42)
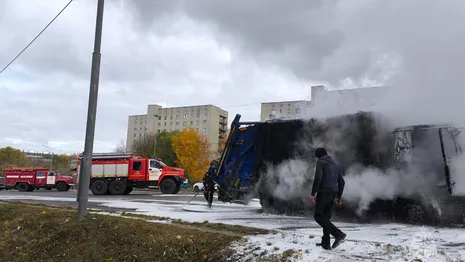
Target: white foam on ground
(389, 242)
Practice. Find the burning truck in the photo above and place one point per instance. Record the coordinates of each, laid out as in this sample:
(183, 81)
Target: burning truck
(405, 174)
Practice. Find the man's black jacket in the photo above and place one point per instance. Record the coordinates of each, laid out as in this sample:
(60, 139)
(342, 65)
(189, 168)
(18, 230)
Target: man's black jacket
(328, 177)
(210, 176)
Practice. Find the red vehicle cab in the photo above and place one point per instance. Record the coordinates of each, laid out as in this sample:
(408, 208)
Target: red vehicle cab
(28, 179)
(118, 174)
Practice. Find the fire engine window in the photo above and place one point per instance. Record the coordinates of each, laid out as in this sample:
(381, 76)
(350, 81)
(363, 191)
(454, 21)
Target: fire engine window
(51, 174)
(137, 166)
(40, 174)
(154, 164)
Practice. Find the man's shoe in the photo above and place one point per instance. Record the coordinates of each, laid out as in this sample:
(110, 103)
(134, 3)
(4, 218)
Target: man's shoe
(324, 246)
(339, 240)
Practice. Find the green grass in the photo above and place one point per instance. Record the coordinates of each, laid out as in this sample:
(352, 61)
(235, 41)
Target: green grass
(37, 233)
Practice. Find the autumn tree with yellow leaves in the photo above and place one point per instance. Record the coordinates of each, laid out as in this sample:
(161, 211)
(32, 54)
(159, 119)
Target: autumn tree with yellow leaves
(192, 153)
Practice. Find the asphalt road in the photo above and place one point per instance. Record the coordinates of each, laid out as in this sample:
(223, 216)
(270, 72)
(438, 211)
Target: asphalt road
(66, 199)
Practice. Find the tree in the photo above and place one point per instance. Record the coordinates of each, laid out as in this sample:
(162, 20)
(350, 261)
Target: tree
(62, 162)
(11, 157)
(221, 144)
(145, 145)
(192, 152)
(120, 147)
(164, 149)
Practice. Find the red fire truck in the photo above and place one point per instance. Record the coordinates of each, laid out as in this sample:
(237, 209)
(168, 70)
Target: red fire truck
(118, 174)
(28, 179)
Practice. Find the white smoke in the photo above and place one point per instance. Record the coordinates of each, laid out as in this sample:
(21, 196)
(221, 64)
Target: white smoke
(287, 179)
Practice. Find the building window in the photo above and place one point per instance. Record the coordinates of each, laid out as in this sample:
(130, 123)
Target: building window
(184, 123)
(204, 130)
(159, 131)
(297, 110)
(185, 116)
(177, 123)
(166, 117)
(171, 117)
(192, 122)
(135, 135)
(164, 124)
(159, 124)
(159, 118)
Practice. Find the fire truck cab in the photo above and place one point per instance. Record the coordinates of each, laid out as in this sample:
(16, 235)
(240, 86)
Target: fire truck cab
(118, 174)
(28, 179)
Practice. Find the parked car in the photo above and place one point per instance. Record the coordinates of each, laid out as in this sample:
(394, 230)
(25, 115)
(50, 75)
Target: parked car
(199, 187)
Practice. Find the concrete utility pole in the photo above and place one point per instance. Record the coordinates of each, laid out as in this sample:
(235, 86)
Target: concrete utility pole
(86, 163)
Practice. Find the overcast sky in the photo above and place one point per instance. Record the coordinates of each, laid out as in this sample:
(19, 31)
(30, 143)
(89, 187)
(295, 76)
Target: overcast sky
(234, 54)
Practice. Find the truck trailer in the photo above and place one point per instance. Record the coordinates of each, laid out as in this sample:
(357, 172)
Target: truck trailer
(274, 161)
(119, 173)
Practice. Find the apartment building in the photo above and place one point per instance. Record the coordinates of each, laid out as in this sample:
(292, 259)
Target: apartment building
(208, 120)
(283, 109)
(325, 103)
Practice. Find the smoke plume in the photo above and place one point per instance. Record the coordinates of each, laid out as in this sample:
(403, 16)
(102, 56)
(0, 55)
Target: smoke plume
(413, 47)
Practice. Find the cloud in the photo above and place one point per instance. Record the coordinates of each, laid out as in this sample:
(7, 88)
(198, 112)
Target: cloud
(44, 94)
(232, 53)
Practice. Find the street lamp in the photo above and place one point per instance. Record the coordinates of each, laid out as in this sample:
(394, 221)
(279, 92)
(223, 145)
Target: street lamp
(51, 153)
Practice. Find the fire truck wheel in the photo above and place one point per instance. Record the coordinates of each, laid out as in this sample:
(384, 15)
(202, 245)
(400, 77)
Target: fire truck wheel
(99, 187)
(128, 190)
(168, 186)
(117, 187)
(62, 186)
(23, 187)
(178, 188)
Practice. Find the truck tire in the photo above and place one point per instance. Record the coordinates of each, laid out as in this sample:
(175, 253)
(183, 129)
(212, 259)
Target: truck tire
(62, 186)
(22, 187)
(178, 188)
(168, 186)
(99, 188)
(117, 187)
(128, 190)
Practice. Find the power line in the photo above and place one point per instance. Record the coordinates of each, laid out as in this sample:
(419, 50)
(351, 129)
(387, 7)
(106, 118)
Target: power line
(36, 36)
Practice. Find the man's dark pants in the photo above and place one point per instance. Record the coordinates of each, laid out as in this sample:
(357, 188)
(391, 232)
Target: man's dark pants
(323, 210)
(210, 188)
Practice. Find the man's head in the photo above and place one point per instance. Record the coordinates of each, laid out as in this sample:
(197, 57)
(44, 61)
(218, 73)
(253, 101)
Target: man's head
(320, 152)
(213, 163)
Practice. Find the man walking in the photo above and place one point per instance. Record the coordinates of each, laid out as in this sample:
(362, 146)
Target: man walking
(209, 182)
(328, 186)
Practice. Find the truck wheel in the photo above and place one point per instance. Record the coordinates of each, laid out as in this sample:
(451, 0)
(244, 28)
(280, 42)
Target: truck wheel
(99, 188)
(117, 187)
(23, 187)
(128, 190)
(178, 188)
(168, 186)
(62, 186)
(196, 189)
